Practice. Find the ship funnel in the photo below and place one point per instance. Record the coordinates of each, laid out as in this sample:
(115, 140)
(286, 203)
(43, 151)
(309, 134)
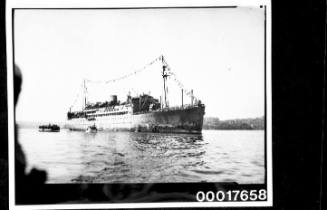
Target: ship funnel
(113, 99)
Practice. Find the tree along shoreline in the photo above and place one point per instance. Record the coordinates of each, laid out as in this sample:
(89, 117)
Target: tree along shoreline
(213, 123)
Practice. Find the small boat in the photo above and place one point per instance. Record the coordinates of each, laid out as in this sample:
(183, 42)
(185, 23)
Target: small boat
(49, 128)
(91, 129)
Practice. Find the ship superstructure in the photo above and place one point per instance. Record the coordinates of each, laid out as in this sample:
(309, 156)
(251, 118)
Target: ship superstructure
(142, 113)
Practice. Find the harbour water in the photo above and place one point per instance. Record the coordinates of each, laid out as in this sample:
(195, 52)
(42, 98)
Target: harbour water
(127, 157)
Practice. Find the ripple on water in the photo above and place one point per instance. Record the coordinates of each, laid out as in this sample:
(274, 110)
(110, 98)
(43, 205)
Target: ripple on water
(214, 156)
(119, 163)
(257, 163)
(208, 172)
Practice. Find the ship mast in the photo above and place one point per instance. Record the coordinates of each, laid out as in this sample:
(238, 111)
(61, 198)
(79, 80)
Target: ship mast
(84, 88)
(164, 76)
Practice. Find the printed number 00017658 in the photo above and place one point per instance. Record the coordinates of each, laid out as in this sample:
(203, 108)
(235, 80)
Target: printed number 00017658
(232, 195)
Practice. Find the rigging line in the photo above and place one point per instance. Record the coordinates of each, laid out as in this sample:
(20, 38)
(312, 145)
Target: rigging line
(180, 84)
(125, 76)
(76, 97)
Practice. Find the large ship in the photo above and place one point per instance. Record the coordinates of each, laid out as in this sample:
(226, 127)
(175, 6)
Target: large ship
(142, 113)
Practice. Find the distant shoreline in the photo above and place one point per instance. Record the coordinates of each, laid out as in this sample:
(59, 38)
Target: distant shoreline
(231, 129)
(209, 123)
(213, 123)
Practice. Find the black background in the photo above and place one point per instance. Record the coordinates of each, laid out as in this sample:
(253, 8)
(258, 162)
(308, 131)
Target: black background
(298, 55)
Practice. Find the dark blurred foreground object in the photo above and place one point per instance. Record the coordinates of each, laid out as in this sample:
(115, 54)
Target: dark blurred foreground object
(28, 185)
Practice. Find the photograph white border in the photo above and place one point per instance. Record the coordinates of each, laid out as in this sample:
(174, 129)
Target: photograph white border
(130, 4)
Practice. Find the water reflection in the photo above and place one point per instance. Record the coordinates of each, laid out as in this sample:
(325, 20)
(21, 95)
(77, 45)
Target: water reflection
(126, 157)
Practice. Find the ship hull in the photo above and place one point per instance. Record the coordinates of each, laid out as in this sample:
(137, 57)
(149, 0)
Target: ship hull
(182, 120)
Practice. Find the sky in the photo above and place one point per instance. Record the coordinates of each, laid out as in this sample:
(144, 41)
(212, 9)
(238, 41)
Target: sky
(217, 52)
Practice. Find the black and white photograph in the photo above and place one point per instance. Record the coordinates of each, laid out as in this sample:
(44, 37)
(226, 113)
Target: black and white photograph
(141, 96)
